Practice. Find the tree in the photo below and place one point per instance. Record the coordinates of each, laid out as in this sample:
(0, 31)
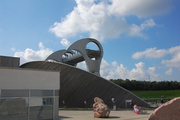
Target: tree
(146, 85)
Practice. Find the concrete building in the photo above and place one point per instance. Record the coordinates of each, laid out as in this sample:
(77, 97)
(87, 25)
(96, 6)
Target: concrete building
(27, 94)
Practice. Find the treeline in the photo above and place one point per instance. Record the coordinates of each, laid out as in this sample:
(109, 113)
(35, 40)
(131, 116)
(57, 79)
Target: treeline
(146, 85)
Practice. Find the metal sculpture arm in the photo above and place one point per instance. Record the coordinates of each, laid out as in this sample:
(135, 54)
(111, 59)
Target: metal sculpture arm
(91, 57)
(80, 46)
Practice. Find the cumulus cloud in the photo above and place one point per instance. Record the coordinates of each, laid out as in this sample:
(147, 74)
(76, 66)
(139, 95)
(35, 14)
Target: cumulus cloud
(136, 30)
(150, 53)
(65, 42)
(140, 8)
(32, 55)
(116, 71)
(155, 53)
(169, 72)
(82, 65)
(174, 62)
(107, 18)
(152, 75)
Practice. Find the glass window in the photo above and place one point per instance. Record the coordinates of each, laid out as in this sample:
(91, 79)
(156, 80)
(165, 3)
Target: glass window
(14, 93)
(41, 92)
(41, 108)
(13, 109)
(56, 92)
(47, 101)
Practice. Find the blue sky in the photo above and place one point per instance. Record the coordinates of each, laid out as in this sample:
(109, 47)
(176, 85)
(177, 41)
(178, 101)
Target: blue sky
(140, 38)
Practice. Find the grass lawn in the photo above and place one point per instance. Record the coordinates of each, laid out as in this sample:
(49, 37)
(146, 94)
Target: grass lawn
(157, 94)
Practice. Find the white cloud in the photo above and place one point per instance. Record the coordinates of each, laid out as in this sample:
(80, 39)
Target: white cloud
(138, 72)
(106, 18)
(169, 72)
(105, 68)
(65, 42)
(147, 24)
(116, 71)
(136, 30)
(13, 49)
(155, 53)
(82, 65)
(119, 71)
(31, 55)
(174, 62)
(174, 49)
(140, 8)
(150, 53)
(152, 75)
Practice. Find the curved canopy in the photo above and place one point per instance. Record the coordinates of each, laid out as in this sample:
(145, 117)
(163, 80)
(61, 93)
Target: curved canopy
(77, 86)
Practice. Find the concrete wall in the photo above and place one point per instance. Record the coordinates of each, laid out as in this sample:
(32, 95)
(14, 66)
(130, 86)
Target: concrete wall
(29, 79)
(28, 88)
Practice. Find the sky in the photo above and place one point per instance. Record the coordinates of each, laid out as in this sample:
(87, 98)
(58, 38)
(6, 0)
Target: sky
(140, 38)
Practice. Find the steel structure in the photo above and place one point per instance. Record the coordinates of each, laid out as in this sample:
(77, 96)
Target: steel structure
(91, 57)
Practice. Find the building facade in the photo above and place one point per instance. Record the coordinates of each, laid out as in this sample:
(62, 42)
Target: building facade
(28, 94)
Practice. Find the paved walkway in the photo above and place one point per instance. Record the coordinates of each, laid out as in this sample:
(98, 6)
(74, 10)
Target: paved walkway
(114, 115)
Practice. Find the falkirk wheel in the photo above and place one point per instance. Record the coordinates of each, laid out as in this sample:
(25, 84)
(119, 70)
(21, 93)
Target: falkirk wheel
(77, 52)
(79, 87)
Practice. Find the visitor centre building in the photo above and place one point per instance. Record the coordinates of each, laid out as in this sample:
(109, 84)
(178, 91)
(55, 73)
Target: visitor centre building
(27, 94)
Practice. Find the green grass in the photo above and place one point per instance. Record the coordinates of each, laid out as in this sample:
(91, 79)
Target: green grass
(157, 94)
